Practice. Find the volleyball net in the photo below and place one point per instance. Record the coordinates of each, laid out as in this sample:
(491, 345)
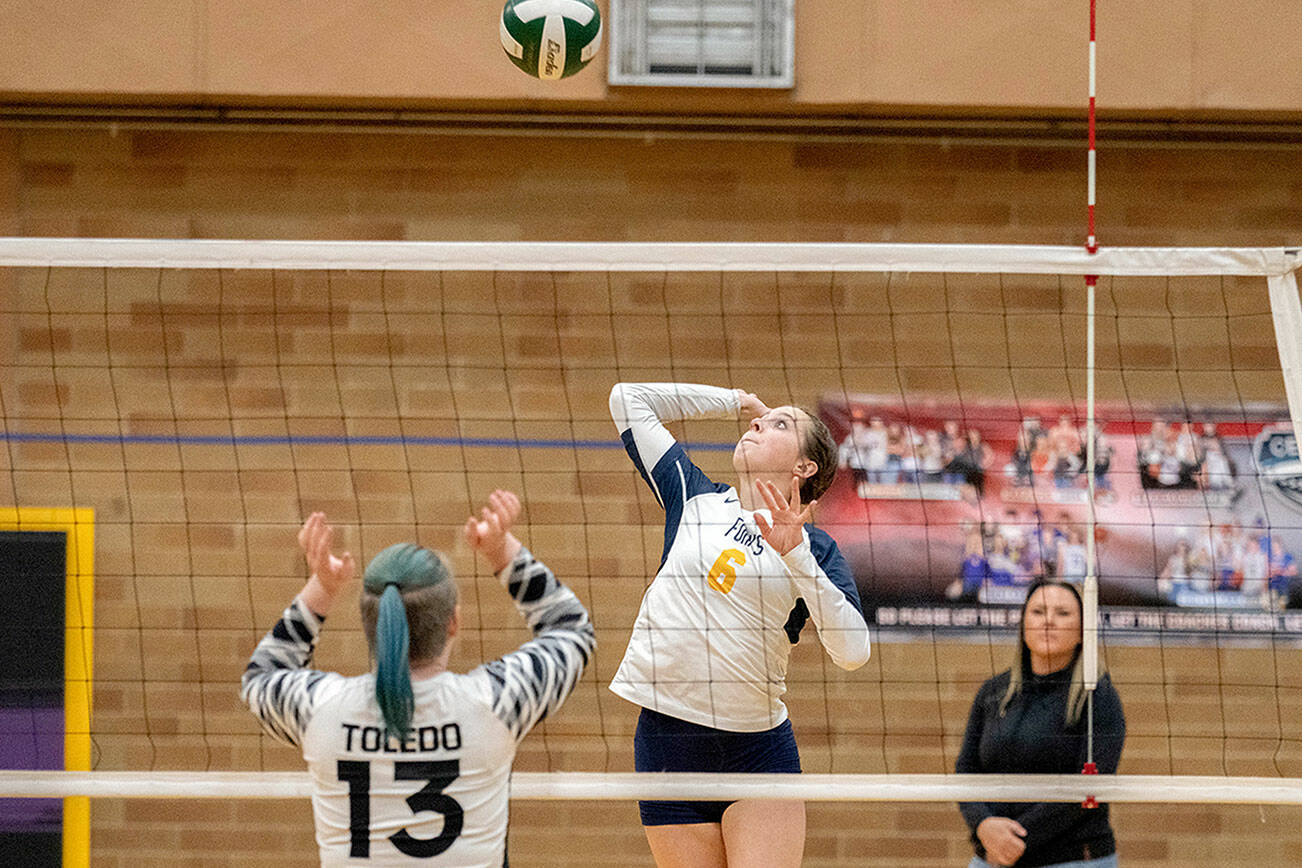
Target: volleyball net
(173, 409)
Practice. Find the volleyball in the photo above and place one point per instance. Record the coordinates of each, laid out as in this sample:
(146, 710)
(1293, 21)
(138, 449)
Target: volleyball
(551, 39)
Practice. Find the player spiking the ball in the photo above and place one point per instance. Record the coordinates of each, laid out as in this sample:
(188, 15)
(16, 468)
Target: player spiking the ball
(741, 572)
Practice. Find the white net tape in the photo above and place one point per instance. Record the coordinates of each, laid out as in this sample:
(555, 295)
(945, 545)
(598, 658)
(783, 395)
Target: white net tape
(575, 256)
(1190, 789)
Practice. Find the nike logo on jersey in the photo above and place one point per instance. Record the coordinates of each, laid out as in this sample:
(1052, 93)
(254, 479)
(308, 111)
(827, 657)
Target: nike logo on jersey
(730, 500)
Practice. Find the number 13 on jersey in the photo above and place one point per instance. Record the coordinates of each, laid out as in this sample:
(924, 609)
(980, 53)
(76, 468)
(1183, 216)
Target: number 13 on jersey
(437, 775)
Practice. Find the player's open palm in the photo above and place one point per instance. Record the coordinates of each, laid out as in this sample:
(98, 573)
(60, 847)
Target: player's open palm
(490, 532)
(786, 530)
(316, 538)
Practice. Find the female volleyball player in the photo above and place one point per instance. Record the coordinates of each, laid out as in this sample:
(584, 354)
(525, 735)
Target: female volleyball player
(411, 762)
(1030, 719)
(739, 576)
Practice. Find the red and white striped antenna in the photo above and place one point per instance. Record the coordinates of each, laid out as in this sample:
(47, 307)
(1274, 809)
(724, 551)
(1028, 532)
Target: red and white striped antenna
(1090, 595)
(1091, 244)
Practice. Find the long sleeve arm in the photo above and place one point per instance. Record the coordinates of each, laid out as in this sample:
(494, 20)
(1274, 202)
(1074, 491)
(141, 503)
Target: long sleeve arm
(277, 685)
(833, 605)
(969, 760)
(641, 409)
(531, 682)
(1044, 821)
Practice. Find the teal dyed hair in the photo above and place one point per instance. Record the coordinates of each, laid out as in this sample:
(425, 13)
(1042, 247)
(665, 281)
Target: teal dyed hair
(392, 669)
(406, 565)
(404, 576)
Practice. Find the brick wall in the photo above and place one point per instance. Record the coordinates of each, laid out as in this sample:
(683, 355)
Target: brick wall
(194, 544)
(1200, 59)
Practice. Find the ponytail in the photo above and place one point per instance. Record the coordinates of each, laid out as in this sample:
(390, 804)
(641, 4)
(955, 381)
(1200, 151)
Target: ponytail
(392, 668)
(404, 577)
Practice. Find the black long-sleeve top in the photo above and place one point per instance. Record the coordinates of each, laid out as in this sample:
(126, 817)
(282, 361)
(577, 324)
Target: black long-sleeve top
(1032, 737)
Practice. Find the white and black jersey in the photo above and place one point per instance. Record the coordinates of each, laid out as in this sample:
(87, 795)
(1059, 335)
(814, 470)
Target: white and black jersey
(438, 796)
(715, 628)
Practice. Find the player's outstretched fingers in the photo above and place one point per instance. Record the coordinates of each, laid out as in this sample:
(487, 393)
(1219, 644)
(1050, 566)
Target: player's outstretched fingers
(308, 529)
(506, 505)
(772, 497)
(493, 522)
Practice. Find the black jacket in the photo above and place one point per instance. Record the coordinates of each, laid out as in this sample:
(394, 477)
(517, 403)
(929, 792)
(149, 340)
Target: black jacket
(1033, 738)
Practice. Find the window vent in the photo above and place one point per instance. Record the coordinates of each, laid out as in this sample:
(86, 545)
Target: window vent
(702, 43)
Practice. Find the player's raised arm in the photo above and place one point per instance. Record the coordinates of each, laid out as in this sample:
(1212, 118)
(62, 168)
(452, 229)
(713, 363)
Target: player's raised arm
(531, 682)
(277, 685)
(640, 411)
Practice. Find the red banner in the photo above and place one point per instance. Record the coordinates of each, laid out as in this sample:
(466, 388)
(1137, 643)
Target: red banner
(947, 512)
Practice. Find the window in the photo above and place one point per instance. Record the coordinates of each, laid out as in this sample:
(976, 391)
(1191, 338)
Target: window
(702, 43)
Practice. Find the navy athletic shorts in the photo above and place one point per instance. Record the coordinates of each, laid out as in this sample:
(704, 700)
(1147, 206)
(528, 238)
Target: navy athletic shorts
(667, 744)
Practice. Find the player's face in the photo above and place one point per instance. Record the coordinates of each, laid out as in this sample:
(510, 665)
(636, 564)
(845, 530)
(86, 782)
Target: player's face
(773, 444)
(1052, 628)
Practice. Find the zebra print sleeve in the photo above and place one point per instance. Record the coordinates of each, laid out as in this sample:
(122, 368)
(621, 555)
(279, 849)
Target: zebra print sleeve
(277, 686)
(531, 682)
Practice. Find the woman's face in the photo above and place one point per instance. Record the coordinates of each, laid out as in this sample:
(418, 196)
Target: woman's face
(774, 443)
(1051, 628)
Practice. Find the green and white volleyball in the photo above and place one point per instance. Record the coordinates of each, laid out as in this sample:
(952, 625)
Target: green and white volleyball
(551, 38)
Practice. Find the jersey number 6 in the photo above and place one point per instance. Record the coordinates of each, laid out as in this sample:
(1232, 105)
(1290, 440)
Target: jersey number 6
(437, 775)
(723, 575)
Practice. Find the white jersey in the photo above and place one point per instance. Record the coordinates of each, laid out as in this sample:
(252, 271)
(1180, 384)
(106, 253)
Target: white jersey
(715, 629)
(439, 796)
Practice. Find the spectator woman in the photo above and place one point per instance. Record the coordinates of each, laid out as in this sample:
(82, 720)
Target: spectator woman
(1030, 719)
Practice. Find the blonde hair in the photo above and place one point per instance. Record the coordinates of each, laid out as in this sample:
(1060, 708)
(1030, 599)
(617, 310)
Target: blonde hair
(1076, 693)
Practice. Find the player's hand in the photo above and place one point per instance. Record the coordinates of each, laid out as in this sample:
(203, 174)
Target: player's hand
(786, 530)
(1003, 839)
(330, 573)
(751, 406)
(490, 532)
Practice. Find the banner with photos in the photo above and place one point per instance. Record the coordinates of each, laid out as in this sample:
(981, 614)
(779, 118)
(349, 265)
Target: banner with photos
(947, 513)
